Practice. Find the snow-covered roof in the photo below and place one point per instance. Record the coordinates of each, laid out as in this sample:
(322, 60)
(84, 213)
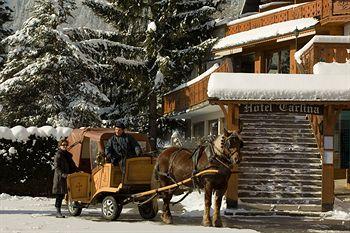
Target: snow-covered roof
(321, 39)
(333, 68)
(266, 5)
(255, 16)
(279, 87)
(266, 32)
(198, 78)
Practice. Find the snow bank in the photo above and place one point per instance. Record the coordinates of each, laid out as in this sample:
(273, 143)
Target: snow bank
(266, 32)
(334, 68)
(19, 133)
(309, 87)
(321, 39)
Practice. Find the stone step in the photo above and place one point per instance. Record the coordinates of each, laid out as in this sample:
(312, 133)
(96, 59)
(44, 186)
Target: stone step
(276, 164)
(279, 144)
(278, 148)
(259, 125)
(294, 201)
(275, 181)
(285, 187)
(271, 176)
(280, 171)
(290, 139)
(286, 154)
(278, 134)
(256, 159)
(281, 129)
(275, 120)
(277, 194)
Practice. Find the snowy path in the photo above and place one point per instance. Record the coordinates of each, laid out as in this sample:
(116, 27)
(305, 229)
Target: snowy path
(27, 215)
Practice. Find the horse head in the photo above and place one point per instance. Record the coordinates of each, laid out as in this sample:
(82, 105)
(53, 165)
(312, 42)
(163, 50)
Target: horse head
(230, 146)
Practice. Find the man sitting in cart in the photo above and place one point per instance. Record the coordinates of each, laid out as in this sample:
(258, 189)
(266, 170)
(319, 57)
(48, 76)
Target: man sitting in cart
(121, 146)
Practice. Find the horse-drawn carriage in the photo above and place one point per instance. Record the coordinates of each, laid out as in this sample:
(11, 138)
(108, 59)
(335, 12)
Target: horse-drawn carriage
(104, 183)
(147, 177)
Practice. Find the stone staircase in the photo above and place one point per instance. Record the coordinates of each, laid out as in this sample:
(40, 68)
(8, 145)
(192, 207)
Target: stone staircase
(281, 165)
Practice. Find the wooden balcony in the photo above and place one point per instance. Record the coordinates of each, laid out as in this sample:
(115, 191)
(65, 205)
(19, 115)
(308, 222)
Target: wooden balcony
(324, 52)
(189, 96)
(328, 11)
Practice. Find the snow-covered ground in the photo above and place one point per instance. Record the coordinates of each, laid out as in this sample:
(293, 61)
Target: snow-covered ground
(28, 214)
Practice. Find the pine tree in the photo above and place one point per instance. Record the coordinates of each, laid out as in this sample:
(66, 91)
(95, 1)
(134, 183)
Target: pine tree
(5, 16)
(47, 79)
(171, 36)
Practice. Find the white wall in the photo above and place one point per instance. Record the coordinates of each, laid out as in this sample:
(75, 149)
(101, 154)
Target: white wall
(347, 29)
(206, 118)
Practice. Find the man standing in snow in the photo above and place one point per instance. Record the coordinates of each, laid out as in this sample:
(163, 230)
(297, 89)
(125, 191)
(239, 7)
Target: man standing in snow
(64, 165)
(121, 146)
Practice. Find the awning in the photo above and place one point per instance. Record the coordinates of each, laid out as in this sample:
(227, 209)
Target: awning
(262, 33)
(279, 87)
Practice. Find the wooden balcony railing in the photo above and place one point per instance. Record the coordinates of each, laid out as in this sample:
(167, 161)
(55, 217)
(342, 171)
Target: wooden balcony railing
(189, 96)
(324, 52)
(328, 11)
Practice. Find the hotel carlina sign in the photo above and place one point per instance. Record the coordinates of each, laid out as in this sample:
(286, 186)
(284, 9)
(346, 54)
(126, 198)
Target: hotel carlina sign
(290, 108)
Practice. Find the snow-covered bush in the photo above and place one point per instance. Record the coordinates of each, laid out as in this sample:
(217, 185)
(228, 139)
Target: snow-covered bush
(26, 159)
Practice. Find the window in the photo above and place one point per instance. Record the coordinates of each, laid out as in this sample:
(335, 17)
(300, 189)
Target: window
(213, 127)
(342, 139)
(198, 129)
(93, 152)
(278, 62)
(248, 63)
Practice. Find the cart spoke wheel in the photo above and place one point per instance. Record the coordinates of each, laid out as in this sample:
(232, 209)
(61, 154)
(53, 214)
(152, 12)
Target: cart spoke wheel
(111, 209)
(74, 208)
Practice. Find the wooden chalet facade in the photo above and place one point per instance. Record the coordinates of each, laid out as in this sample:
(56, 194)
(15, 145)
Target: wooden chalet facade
(281, 39)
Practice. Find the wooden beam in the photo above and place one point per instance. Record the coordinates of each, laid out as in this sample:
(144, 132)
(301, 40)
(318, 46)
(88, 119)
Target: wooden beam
(292, 61)
(232, 121)
(329, 121)
(259, 63)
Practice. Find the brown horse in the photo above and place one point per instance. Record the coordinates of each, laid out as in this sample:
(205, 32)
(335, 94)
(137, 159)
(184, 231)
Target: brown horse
(176, 164)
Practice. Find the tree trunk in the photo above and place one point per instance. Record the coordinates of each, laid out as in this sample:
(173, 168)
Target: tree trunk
(152, 120)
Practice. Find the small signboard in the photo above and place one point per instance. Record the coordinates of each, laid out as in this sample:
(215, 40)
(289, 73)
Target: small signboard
(290, 108)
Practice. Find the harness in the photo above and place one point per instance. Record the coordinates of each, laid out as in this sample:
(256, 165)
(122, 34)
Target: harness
(209, 148)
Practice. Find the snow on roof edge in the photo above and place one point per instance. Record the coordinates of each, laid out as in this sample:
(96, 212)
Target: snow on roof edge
(287, 87)
(198, 78)
(265, 32)
(320, 39)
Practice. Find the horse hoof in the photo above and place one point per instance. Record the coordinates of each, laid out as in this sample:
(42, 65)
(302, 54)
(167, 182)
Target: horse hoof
(207, 223)
(166, 219)
(217, 224)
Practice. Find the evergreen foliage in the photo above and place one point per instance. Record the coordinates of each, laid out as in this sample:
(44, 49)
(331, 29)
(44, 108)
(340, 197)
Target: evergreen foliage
(5, 16)
(26, 167)
(47, 79)
(160, 42)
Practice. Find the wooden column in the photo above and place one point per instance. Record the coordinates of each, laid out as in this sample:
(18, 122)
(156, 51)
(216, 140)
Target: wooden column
(259, 63)
(329, 121)
(292, 61)
(348, 178)
(232, 121)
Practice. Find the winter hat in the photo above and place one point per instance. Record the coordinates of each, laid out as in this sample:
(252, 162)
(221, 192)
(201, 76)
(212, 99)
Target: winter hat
(119, 125)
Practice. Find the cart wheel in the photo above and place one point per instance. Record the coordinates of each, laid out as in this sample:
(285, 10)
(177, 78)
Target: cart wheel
(111, 209)
(73, 208)
(149, 210)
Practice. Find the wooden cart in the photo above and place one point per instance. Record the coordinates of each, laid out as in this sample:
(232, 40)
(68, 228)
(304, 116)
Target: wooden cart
(104, 183)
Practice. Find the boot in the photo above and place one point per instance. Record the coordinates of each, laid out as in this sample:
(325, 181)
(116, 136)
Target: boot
(58, 213)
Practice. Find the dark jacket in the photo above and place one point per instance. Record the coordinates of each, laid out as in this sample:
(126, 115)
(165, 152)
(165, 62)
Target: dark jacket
(63, 165)
(122, 147)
